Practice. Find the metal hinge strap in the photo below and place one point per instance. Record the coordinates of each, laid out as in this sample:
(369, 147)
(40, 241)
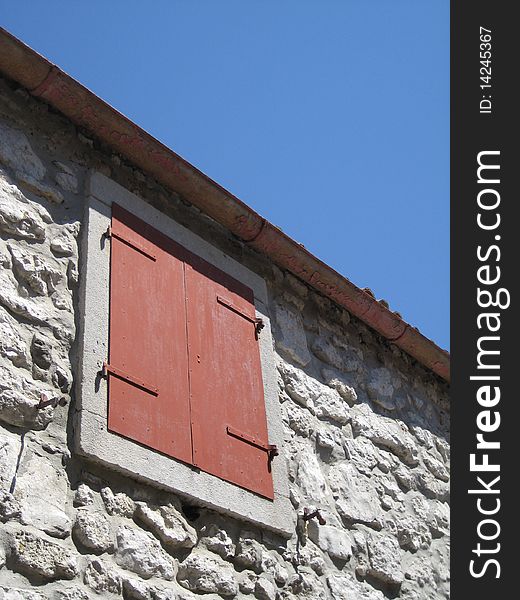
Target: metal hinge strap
(271, 449)
(120, 374)
(257, 322)
(132, 243)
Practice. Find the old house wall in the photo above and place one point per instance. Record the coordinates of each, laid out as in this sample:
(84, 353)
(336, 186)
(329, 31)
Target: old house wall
(366, 428)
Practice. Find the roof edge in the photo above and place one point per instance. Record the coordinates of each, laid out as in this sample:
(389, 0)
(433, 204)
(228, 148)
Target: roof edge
(50, 84)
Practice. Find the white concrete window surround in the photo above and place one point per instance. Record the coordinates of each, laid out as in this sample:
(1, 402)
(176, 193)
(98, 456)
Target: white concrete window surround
(93, 439)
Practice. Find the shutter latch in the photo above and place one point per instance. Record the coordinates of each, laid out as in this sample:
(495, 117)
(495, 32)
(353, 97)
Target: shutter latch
(45, 401)
(309, 514)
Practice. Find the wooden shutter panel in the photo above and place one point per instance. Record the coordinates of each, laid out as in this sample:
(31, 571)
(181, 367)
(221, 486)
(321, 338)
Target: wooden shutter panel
(226, 389)
(148, 399)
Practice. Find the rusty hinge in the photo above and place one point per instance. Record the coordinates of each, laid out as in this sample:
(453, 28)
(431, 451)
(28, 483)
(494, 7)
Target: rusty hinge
(257, 321)
(259, 325)
(271, 449)
(119, 373)
(109, 233)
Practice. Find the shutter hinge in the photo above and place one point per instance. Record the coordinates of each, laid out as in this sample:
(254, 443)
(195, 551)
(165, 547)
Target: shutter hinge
(109, 233)
(259, 325)
(120, 374)
(257, 321)
(271, 449)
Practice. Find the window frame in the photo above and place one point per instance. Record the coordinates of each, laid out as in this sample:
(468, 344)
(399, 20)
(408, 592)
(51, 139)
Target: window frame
(94, 441)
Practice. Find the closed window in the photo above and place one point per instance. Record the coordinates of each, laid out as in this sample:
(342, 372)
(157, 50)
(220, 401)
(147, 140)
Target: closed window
(177, 383)
(184, 372)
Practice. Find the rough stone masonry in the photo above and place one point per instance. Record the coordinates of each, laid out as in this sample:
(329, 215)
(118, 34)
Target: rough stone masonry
(366, 428)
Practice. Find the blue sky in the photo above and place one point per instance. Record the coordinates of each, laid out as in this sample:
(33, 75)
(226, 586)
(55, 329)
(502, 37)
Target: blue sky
(330, 118)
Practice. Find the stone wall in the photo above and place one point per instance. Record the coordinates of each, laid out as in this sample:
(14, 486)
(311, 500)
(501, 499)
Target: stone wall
(366, 428)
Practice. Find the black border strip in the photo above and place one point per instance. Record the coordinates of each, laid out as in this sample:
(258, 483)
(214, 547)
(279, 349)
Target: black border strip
(483, 120)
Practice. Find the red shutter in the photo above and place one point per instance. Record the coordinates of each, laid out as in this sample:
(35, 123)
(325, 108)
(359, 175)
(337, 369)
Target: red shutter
(148, 364)
(184, 364)
(229, 426)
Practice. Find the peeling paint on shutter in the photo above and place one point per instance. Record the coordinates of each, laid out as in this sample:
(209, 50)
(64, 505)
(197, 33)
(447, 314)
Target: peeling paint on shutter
(148, 364)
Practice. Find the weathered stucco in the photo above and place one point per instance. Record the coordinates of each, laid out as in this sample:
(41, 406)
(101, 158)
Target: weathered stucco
(366, 429)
